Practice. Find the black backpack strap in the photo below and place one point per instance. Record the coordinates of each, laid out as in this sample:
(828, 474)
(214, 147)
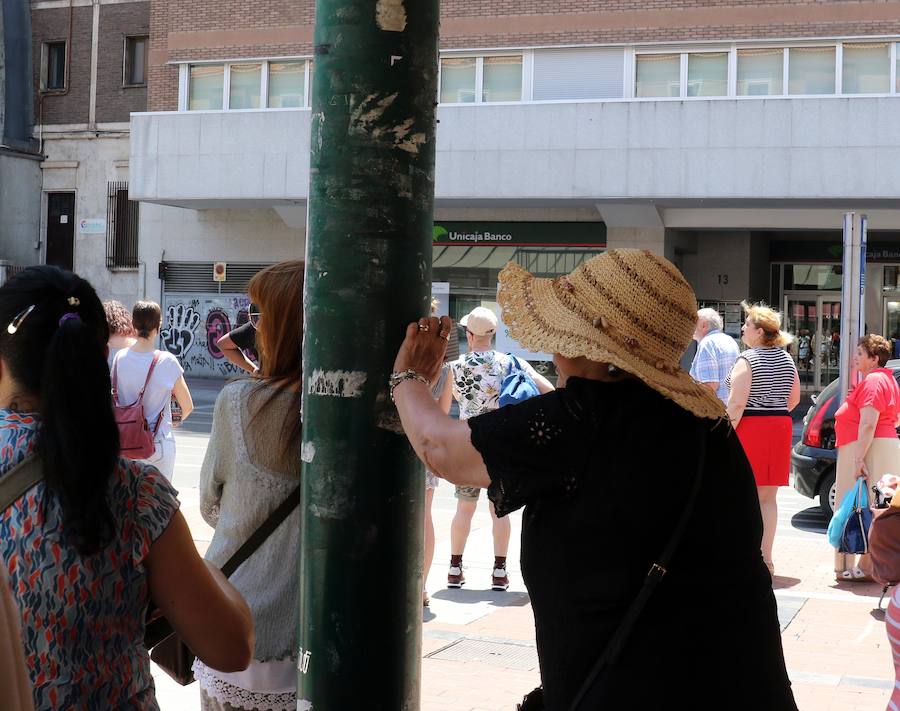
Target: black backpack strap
(19, 480)
(263, 532)
(654, 577)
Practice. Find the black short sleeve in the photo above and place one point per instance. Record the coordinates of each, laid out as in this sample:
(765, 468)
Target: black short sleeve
(526, 449)
(243, 337)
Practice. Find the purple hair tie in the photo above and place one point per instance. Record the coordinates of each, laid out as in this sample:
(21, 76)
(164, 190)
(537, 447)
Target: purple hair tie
(68, 317)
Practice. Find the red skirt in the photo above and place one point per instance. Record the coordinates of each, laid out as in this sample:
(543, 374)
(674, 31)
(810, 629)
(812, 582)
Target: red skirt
(767, 443)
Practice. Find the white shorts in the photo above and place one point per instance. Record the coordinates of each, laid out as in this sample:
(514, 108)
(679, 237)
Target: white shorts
(164, 457)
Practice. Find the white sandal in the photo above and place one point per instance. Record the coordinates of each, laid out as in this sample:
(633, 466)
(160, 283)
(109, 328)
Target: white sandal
(854, 575)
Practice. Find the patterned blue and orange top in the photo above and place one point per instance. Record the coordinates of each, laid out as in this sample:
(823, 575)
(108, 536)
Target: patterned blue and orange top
(82, 617)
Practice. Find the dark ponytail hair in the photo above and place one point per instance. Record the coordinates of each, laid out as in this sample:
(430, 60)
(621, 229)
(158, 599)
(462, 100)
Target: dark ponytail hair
(61, 359)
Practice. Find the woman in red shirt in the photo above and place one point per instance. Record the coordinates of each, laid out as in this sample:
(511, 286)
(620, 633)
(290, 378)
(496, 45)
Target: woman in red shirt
(865, 427)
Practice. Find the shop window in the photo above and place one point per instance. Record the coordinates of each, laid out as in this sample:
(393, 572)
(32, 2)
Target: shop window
(207, 82)
(287, 84)
(891, 278)
(867, 68)
(813, 277)
(657, 75)
(708, 74)
(760, 72)
(245, 84)
(811, 70)
(502, 79)
(53, 59)
(135, 65)
(458, 80)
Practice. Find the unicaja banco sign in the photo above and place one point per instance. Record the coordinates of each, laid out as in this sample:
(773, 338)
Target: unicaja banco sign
(473, 237)
(519, 234)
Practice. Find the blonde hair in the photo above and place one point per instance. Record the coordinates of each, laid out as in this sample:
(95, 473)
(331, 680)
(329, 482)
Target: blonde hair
(769, 320)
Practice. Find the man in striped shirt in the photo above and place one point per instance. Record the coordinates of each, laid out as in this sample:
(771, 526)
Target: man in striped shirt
(716, 353)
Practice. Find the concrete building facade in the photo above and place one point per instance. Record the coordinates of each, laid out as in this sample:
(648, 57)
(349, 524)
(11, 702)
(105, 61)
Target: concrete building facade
(90, 74)
(20, 175)
(729, 136)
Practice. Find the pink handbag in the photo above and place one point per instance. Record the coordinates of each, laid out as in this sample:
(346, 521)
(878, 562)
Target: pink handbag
(135, 436)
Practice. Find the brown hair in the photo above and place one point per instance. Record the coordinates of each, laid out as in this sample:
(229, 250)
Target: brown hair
(769, 320)
(117, 318)
(278, 293)
(876, 346)
(146, 317)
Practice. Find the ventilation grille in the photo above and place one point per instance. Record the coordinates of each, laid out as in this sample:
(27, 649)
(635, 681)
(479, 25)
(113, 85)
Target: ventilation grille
(198, 276)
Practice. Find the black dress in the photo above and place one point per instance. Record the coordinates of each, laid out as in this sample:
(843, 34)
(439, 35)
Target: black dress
(604, 470)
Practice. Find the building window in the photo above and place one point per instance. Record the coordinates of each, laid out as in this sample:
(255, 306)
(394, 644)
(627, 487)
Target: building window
(207, 82)
(502, 79)
(246, 82)
(458, 80)
(897, 69)
(811, 70)
(867, 68)
(121, 228)
(287, 84)
(135, 61)
(708, 74)
(657, 75)
(53, 76)
(760, 72)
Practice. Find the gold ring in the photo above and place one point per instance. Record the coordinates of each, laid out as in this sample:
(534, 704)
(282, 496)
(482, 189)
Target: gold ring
(423, 327)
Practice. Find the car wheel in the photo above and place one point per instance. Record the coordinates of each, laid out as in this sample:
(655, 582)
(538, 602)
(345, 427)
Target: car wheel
(827, 491)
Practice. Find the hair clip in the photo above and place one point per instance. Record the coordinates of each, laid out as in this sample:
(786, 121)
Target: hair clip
(74, 301)
(68, 316)
(17, 321)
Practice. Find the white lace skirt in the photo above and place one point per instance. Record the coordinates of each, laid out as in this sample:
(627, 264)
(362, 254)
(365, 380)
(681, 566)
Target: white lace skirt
(263, 686)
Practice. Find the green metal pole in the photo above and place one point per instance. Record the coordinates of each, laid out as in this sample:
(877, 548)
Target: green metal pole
(368, 273)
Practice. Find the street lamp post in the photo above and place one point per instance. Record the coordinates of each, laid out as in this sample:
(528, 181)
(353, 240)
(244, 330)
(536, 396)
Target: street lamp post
(368, 274)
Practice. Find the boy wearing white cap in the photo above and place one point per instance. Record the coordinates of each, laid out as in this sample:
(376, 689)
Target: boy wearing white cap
(476, 380)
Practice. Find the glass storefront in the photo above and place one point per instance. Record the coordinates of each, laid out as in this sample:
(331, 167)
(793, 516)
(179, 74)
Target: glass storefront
(468, 256)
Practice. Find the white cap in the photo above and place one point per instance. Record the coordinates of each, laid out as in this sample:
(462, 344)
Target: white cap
(480, 321)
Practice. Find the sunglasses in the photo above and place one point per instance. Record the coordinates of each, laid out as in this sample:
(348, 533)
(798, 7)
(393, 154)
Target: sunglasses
(253, 315)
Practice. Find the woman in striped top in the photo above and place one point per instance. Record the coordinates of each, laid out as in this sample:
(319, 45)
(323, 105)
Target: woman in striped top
(765, 388)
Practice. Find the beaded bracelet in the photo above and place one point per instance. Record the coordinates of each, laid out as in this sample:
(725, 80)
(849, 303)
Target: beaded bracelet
(402, 376)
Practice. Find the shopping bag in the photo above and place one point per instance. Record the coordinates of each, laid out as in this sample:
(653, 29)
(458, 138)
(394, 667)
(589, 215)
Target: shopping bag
(842, 514)
(854, 533)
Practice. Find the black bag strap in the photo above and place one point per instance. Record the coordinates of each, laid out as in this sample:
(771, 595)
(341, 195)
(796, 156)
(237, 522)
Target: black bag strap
(654, 577)
(263, 532)
(19, 480)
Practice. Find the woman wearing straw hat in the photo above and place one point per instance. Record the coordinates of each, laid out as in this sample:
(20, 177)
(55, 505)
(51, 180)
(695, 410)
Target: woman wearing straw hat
(617, 327)
(765, 387)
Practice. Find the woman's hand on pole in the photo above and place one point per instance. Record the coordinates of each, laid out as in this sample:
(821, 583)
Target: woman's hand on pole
(424, 347)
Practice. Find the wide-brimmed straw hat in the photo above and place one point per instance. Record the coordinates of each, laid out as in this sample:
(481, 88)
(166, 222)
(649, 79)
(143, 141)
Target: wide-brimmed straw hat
(627, 307)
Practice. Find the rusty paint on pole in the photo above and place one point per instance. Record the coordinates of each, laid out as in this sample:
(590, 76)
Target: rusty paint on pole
(368, 273)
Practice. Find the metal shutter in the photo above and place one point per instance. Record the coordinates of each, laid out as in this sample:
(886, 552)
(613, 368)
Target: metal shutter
(578, 74)
(197, 277)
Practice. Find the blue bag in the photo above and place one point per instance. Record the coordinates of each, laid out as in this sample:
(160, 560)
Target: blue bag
(849, 527)
(517, 385)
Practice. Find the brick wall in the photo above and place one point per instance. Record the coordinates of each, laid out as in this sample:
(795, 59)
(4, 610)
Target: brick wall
(53, 25)
(114, 101)
(222, 29)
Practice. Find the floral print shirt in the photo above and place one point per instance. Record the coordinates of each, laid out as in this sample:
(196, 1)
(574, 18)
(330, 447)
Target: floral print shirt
(82, 616)
(477, 377)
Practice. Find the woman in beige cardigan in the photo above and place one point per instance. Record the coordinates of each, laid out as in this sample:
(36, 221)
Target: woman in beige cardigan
(252, 465)
(15, 690)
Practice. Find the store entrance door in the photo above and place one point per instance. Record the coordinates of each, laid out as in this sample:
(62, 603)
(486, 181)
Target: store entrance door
(815, 323)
